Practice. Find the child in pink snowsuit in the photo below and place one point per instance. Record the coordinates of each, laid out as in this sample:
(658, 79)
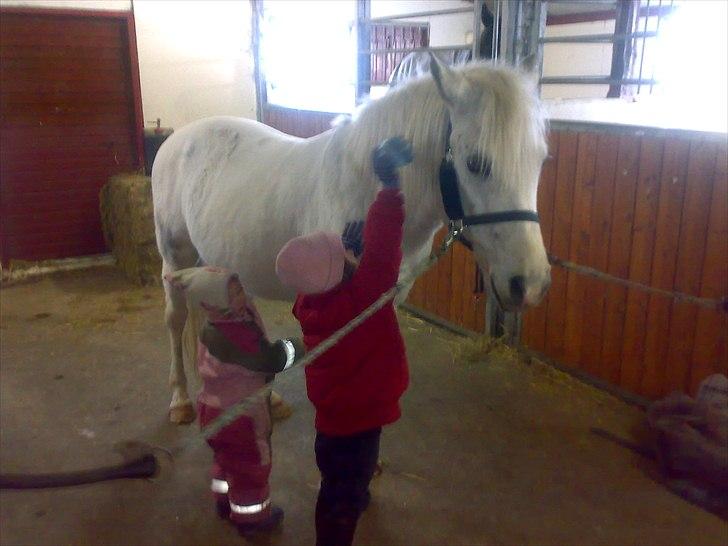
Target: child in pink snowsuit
(234, 360)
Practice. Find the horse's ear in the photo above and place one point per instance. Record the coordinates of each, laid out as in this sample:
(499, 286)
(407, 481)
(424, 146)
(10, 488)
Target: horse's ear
(529, 67)
(452, 85)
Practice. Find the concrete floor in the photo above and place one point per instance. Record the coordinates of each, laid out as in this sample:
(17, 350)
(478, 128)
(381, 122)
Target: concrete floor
(490, 450)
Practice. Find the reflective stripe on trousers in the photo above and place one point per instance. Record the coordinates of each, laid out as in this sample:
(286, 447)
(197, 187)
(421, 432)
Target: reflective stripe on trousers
(249, 508)
(219, 486)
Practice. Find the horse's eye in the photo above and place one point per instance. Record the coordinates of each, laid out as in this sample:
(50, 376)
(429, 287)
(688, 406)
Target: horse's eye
(478, 165)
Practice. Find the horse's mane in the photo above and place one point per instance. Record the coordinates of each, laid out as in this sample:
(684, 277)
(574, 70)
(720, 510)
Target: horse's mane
(512, 123)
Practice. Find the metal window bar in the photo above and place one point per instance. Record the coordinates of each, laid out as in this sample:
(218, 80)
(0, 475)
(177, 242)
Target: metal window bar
(626, 69)
(644, 44)
(596, 38)
(657, 29)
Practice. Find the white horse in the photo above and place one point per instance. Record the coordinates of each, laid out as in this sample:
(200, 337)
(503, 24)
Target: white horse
(231, 192)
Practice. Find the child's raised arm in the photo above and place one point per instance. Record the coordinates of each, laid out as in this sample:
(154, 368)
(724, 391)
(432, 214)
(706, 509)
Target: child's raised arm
(379, 268)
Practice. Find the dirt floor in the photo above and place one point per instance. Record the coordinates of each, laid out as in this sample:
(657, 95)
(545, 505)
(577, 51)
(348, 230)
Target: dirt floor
(491, 450)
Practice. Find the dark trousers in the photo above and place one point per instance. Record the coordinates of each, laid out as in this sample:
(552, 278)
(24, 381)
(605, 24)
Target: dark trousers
(347, 464)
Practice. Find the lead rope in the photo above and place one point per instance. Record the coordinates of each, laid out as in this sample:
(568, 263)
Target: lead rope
(242, 407)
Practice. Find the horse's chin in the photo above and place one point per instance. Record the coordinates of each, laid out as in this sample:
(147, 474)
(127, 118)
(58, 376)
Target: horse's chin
(506, 303)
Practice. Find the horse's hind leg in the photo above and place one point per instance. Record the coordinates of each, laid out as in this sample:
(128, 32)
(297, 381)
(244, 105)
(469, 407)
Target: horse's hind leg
(181, 409)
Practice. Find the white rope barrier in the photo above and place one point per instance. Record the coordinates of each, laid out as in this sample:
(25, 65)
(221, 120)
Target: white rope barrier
(708, 303)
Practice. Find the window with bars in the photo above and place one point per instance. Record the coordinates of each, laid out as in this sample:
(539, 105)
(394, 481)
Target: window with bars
(393, 36)
(607, 48)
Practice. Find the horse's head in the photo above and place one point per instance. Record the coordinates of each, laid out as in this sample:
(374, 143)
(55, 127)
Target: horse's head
(498, 145)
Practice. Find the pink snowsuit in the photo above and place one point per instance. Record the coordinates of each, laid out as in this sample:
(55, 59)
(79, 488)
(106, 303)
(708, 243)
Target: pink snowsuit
(242, 450)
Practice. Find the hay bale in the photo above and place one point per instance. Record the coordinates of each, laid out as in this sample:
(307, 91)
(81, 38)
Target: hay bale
(127, 218)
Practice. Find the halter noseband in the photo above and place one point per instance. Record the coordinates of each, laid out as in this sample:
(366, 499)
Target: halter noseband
(454, 206)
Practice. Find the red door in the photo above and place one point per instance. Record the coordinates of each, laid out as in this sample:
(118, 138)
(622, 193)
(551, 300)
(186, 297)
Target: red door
(69, 118)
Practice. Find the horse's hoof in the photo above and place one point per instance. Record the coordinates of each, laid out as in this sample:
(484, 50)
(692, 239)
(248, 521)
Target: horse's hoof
(182, 415)
(279, 409)
(379, 468)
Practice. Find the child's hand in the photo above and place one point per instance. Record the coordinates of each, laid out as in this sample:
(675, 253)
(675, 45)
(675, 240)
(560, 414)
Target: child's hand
(351, 237)
(389, 156)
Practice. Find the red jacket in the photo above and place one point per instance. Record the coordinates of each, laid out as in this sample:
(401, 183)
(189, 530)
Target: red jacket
(356, 385)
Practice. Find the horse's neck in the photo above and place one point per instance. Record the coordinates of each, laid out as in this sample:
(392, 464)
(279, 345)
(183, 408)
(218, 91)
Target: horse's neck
(345, 173)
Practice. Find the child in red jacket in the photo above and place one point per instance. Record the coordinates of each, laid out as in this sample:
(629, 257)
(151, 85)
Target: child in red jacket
(356, 385)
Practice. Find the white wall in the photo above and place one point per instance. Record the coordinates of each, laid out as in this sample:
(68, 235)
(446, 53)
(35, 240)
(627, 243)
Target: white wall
(195, 58)
(577, 60)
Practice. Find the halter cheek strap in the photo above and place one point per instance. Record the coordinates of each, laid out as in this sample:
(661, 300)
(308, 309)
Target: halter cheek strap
(451, 200)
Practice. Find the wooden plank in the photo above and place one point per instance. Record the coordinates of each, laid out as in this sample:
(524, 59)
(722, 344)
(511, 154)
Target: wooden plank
(640, 267)
(13, 120)
(55, 40)
(626, 172)
(61, 202)
(56, 232)
(579, 245)
(75, 28)
(710, 348)
(109, 159)
(469, 310)
(431, 278)
(598, 253)
(672, 193)
(458, 280)
(60, 98)
(691, 251)
(444, 286)
(50, 53)
(534, 320)
(415, 295)
(66, 180)
(61, 69)
(72, 133)
(29, 154)
(560, 242)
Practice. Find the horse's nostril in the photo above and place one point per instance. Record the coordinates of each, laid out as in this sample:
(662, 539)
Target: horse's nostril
(518, 288)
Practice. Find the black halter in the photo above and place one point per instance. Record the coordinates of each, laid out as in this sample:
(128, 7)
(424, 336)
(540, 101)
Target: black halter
(454, 206)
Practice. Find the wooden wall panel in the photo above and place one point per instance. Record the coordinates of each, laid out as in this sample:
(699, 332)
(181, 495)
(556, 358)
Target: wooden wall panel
(70, 117)
(647, 206)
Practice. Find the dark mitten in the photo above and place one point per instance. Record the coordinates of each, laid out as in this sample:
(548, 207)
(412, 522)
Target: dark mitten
(389, 156)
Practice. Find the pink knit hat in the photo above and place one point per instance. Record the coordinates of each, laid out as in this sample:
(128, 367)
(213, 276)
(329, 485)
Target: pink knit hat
(311, 264)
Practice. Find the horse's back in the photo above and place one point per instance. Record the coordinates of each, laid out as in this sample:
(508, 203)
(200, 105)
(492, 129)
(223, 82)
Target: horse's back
(188, 157)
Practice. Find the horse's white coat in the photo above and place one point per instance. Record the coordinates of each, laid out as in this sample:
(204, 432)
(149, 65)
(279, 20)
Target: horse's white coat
(232, 192)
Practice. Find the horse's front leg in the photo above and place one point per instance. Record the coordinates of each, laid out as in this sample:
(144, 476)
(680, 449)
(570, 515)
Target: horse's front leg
(181, 409)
